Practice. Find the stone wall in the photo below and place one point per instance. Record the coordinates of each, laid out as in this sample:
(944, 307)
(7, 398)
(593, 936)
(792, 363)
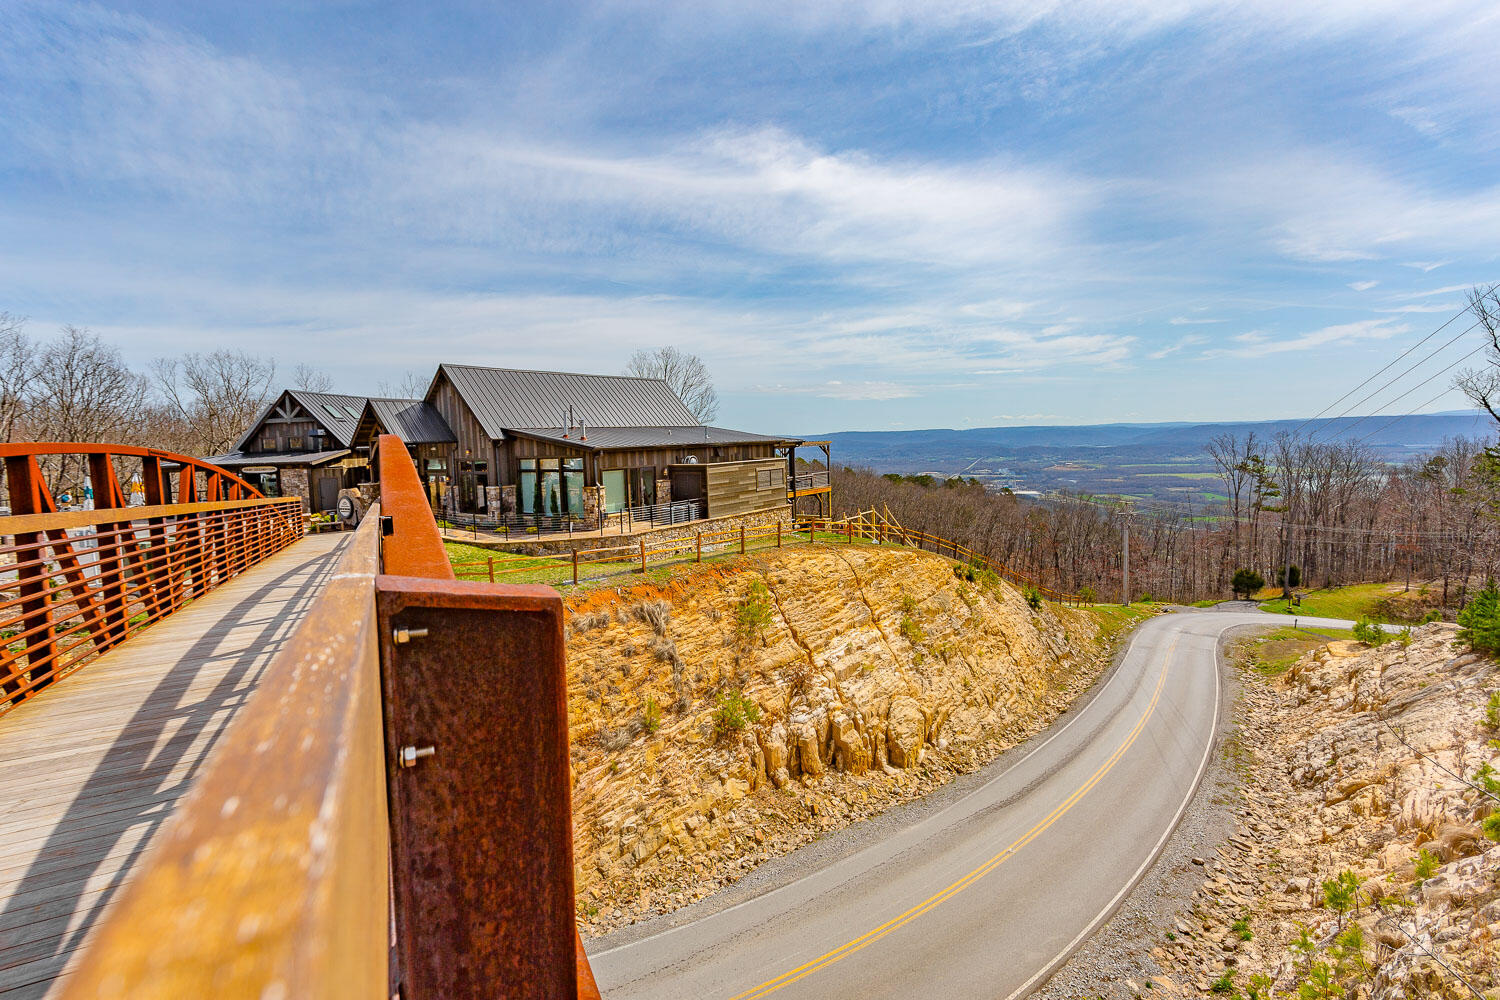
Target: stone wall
(294, 484)
(672, 533)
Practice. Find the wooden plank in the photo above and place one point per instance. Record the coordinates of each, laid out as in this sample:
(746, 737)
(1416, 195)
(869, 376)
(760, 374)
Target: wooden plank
(92, 768)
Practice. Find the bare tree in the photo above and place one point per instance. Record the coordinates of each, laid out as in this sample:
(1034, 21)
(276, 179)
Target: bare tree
(305, 376)
(685, 374)
(17, 369)
(1483, 385)
(411, 385)
(83, 391)
(215, 396)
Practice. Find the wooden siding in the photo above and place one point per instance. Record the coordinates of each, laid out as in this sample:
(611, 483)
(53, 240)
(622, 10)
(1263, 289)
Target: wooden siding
(474, 445)
(737, 487)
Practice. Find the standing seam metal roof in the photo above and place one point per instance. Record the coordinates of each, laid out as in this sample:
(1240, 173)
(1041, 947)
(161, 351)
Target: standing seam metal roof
(502, 398)
(414, 421)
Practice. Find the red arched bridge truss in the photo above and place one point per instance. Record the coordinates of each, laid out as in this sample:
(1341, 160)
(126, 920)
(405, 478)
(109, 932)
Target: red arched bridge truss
(73, 583)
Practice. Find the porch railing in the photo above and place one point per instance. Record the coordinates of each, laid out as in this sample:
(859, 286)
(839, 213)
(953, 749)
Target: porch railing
(807, 481)
(76, 583)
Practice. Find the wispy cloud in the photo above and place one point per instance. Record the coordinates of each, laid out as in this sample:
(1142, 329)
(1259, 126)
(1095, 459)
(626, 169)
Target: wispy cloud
(1363, 286)
(1182, 344)
(1257, 343)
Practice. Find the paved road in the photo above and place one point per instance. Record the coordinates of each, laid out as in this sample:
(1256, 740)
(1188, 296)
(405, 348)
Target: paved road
(987, 897)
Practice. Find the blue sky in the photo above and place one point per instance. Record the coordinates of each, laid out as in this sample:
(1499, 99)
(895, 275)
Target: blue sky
(905, 213)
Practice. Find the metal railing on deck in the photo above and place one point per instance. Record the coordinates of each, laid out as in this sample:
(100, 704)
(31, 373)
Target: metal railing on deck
(388, 815)
(807, 481)
(75, 583)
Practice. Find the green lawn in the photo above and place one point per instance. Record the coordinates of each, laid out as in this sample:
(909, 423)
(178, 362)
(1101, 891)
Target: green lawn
(1352, 602)
(1271, 654)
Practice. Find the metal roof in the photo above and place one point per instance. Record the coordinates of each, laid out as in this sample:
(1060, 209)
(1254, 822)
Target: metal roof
(505, 398)
(610, 438)
(414, 421)
(238, 459)
(335, 413)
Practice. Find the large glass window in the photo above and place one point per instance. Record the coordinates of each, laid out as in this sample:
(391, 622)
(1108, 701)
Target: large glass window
(614, 490)
(551, 482)
(572, 470)
(526, 492)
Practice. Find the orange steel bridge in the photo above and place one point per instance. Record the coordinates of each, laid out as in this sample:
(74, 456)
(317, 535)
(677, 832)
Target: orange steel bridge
(317, 717)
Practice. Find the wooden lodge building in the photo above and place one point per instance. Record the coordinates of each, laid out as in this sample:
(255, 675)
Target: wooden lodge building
(528, 447)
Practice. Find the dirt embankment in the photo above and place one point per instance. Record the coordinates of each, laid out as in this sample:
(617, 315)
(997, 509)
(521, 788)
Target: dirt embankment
(740, 711)
(1360, 866)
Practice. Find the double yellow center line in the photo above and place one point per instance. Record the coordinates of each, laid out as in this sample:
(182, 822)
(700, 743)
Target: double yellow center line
(931, 902)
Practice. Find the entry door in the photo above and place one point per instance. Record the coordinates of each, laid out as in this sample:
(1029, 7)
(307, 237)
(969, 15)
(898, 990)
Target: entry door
(328, 493)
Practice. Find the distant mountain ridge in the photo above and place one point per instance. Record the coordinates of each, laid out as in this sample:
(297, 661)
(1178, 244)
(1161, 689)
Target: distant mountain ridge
(939, 449)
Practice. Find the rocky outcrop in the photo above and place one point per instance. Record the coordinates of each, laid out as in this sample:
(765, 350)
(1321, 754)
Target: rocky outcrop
(740, 710)
(1355, 761)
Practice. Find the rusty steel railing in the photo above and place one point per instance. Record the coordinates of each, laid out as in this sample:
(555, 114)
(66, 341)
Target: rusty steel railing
(75, 583)
(390, 812)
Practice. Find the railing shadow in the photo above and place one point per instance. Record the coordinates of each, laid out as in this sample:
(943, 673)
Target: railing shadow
(135, 776)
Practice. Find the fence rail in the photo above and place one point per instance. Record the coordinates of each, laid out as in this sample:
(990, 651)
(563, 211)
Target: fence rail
(75, 583)
(582, 565)
(627, 518)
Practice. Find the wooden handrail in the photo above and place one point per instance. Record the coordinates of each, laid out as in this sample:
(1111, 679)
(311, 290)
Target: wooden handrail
(271, 878)
(64, 520)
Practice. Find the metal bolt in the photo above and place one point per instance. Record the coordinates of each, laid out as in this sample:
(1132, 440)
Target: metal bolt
(403, 635)
(410, 755)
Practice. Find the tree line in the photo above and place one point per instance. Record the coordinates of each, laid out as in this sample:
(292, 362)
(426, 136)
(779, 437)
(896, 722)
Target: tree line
(1298, 512)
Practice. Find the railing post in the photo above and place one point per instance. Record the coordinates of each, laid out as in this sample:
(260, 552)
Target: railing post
(812, 526)
(778, 534)
(698, 537)
(575, 567)
(643, 555)
(490, 560)
(742, 539)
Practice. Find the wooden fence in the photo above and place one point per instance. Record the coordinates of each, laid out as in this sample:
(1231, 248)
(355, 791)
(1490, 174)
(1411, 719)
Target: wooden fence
(865, 527)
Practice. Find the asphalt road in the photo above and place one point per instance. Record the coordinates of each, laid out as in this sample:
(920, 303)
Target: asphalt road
(989, 896)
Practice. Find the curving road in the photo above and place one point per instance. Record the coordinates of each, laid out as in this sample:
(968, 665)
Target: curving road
(989, 896)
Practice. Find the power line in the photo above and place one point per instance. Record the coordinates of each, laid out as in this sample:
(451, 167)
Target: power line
(1387, 368)
(1350, 408)
(1414, 388)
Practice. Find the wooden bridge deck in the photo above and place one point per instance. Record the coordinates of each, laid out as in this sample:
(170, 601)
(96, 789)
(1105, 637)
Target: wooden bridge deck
(91, 768)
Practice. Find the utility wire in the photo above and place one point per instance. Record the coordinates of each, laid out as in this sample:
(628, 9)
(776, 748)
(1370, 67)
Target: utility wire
(1387, 368)
(1351, 407)
(1414, 388)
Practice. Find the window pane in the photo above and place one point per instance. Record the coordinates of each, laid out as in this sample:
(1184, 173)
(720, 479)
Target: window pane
(573, 464)
(528, 463)
(614, 490)
(551, 493)
(526, 495)
(549, 463)
(573, 487)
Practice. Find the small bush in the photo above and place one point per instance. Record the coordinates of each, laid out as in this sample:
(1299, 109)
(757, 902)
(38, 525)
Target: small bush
(1491, 826)
(657, 614)
(1224, 984)
(1426, 864)
(1241, 929)
(1341, 893)
(1258, 987)
(752, 615)
(1319, 984)
(1371, 634)
(734, 713)
(1087, 595)
(1247, 582)
(1146, 599)
(1033, 598)
(650, 716)
(1480, 621)
(911, 631)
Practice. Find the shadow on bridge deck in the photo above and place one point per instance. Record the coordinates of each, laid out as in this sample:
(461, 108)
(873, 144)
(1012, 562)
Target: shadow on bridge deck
(91, 769)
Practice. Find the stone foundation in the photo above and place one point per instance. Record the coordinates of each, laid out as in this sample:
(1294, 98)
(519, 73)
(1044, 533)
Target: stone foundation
(294, 484)
(664, 491)
(507, 499)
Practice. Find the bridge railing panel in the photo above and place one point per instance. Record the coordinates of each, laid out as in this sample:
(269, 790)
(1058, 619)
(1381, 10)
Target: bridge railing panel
(74, 583)
(272, 880)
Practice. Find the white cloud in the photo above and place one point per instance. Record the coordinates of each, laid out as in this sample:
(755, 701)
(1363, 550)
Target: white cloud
(1363, 286)
(1182, 344)
(1186, 321)
(1257, 343)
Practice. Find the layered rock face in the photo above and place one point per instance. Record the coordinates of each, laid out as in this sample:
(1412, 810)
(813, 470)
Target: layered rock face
(1356, 760)
(739, 711)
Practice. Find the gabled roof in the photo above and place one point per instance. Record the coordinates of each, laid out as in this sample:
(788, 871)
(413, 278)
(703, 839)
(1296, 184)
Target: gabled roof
(238, 459)
(505, 398)
(338, 414)
(605, 438)
(412, 420)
